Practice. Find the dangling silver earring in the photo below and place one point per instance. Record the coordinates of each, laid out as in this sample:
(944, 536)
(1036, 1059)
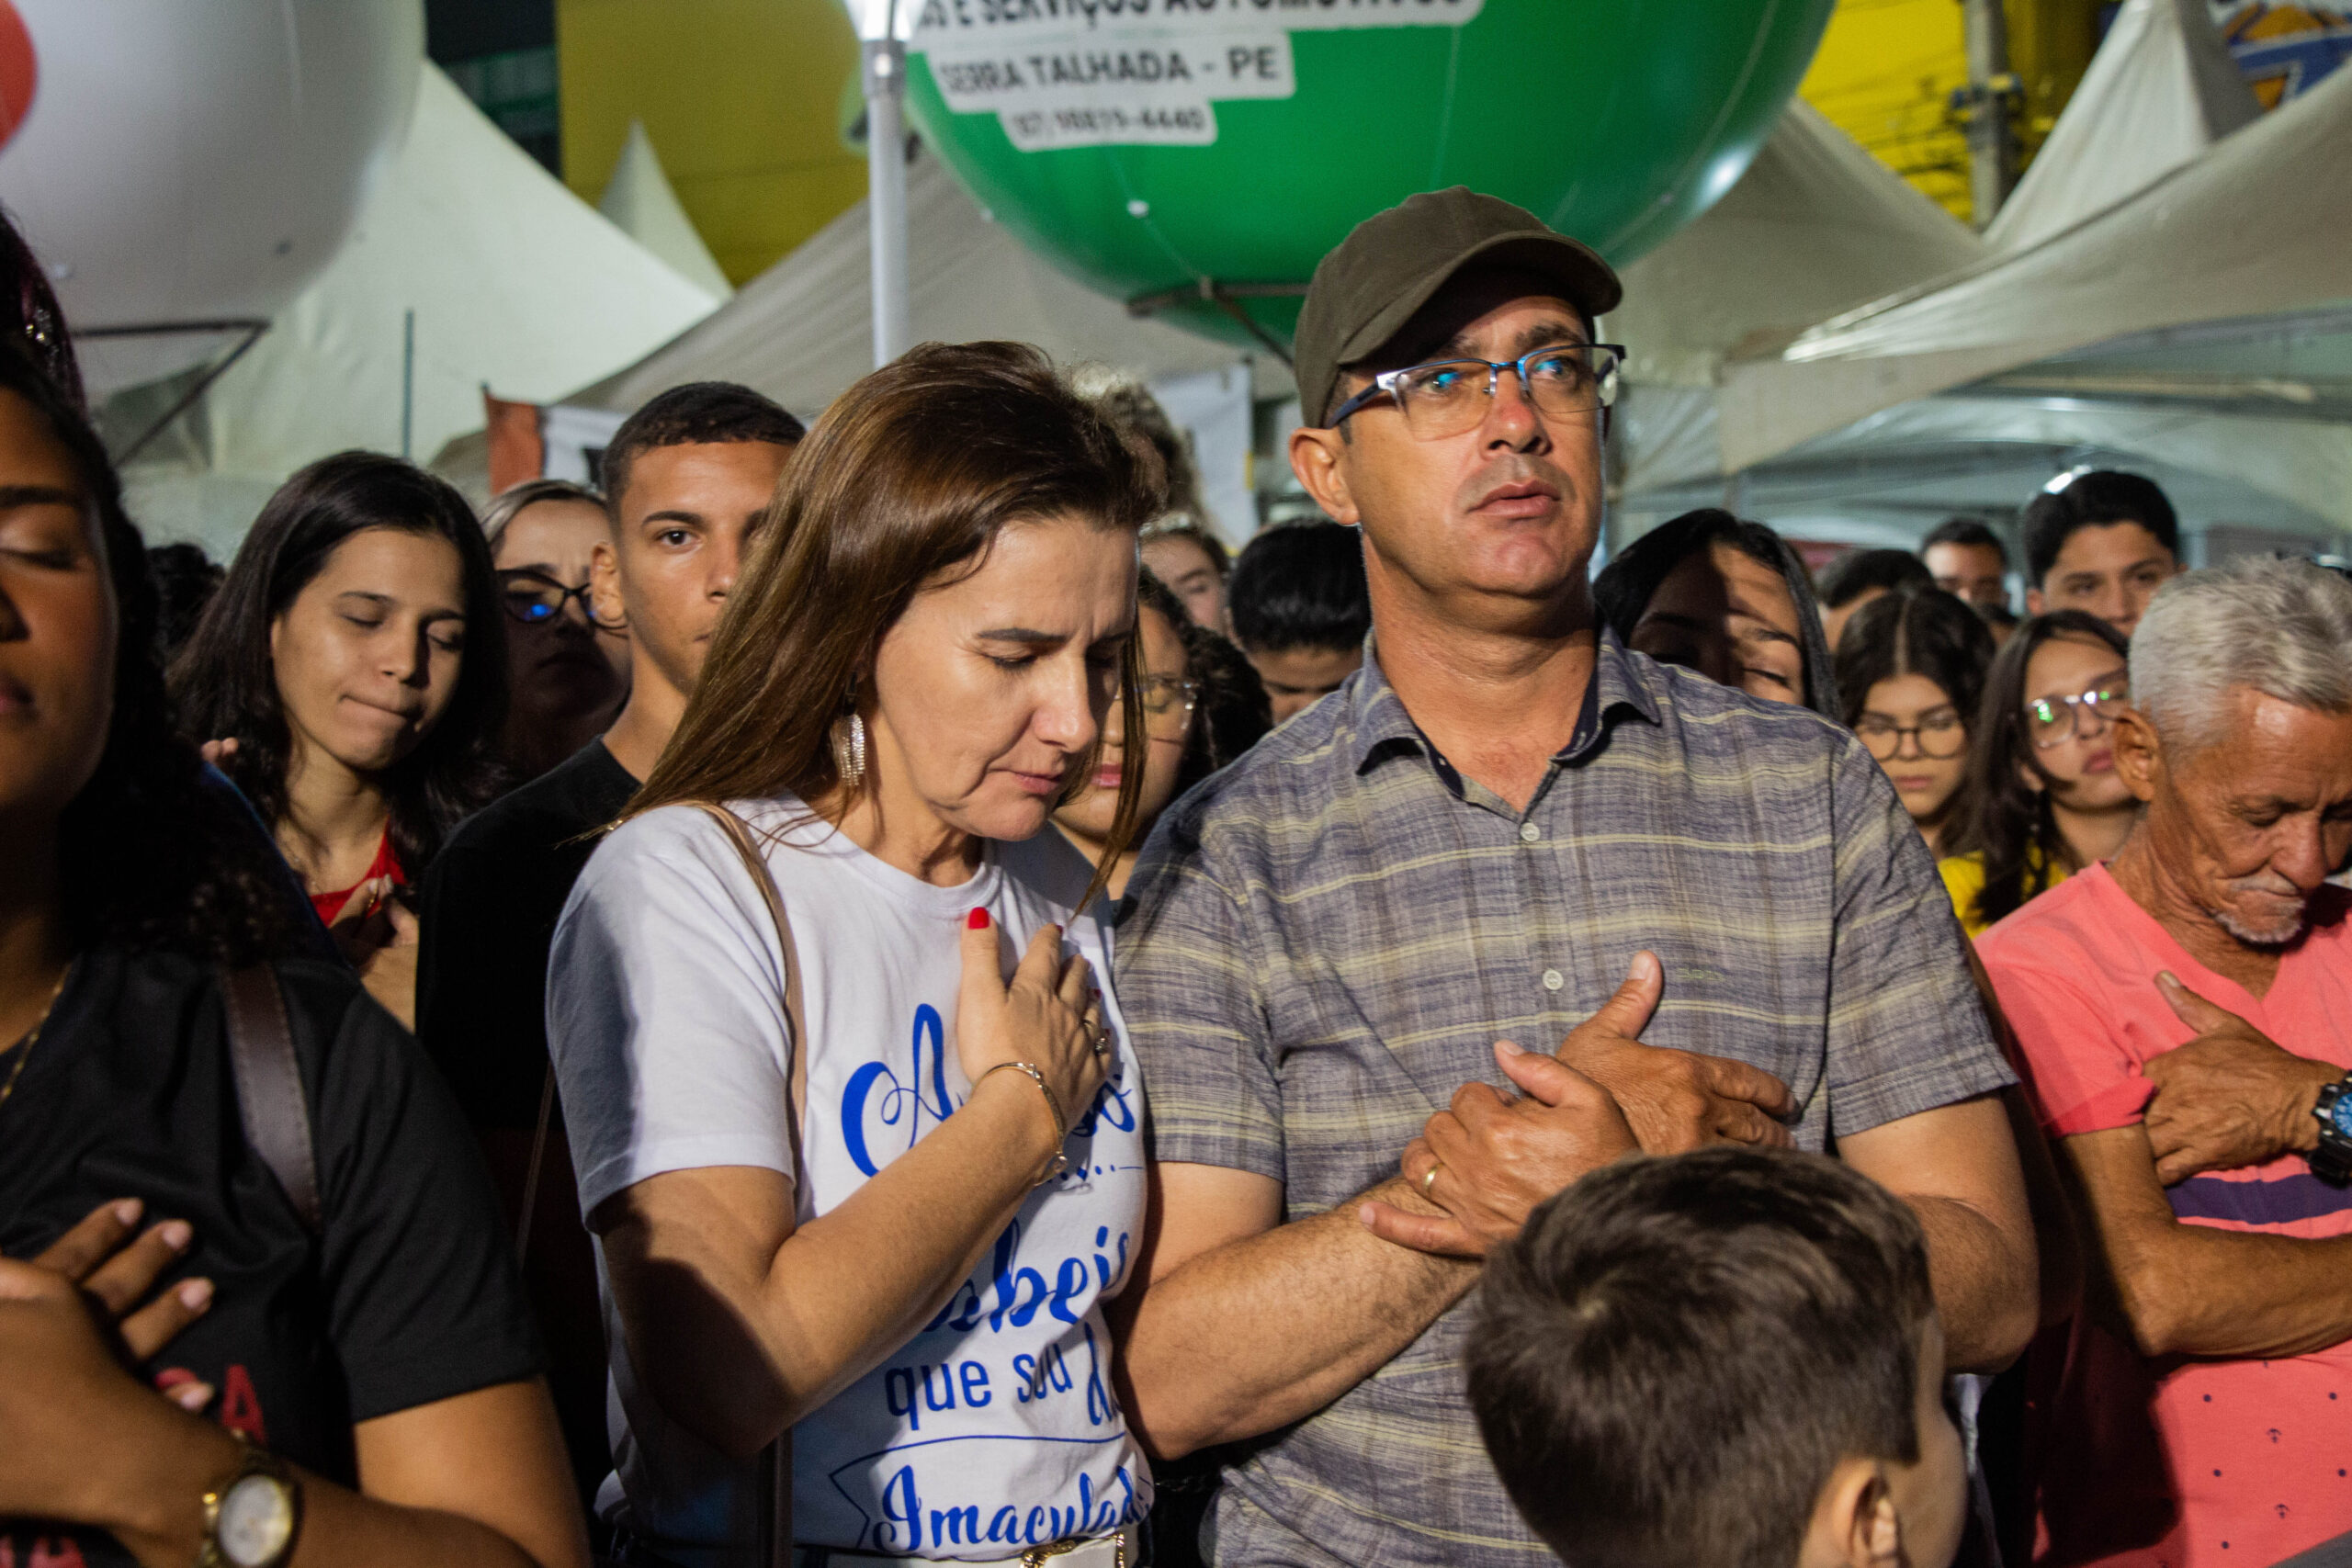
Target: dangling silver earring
(849, 751)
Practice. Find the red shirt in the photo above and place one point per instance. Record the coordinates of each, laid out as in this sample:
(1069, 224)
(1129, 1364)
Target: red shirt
(386, 863)
(2175, 1464)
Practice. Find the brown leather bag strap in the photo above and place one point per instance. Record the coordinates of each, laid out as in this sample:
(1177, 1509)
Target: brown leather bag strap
(275, 1111)
(774, 1546)
(738, 833)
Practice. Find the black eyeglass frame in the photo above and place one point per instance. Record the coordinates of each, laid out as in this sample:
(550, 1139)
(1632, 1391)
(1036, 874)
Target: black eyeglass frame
(509, 577)
(1918, 734)
(1605, 381)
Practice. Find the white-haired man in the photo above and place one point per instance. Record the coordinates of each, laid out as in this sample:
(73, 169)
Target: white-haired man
(2186, 1015)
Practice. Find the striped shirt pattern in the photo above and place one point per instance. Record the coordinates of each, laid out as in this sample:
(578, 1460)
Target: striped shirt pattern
(1322, 942)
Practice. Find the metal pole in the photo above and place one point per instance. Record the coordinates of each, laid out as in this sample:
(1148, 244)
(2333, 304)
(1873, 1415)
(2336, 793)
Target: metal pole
(886, 199)
(1992, 95)
(408, 382)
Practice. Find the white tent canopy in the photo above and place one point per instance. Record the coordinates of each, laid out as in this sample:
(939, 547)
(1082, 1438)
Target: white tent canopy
(2260, 224)
(801, 331)
(514, 282)
(641, 203)
(2162, 89)
(1814, 226)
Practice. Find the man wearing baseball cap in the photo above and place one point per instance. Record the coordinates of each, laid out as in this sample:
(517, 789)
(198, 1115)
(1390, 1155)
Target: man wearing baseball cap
(1705, 917)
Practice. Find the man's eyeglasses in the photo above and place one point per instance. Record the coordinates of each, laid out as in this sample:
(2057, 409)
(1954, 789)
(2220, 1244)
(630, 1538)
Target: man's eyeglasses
(1941, 736)
(1447, 397)
(1168, 704)
(2054, 721)
(535, 599)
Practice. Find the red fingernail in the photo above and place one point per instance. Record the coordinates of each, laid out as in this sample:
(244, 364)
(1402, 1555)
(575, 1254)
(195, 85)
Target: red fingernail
(978, 920)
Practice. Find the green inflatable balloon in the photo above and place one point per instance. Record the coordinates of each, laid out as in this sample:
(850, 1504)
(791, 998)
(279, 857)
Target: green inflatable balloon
(1198, 157)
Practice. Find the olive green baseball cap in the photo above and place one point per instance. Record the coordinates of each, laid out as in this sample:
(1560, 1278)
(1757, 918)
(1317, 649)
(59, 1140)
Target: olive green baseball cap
(1395, 262)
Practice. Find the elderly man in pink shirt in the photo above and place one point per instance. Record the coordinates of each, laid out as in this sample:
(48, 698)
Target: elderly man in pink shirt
(2185, 1013)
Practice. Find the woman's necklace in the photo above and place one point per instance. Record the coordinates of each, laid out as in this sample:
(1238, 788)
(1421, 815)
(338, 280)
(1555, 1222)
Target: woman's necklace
(24, 1047)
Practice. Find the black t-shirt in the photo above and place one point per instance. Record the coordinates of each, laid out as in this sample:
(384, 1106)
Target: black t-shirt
(409, 1293)
(488, 916)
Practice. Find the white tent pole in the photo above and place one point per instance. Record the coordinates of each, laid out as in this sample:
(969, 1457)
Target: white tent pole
(886, 183)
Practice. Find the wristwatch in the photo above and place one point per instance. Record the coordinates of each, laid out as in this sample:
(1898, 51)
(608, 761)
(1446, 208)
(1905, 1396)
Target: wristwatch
(2332, 1160)
(250, 1519)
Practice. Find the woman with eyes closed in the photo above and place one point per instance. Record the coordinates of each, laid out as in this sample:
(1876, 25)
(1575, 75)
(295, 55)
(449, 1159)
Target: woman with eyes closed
(196, 1364)
(350, 677)
(1726, 597)
(1910, 667)
(2046, 798)
(857, 1137)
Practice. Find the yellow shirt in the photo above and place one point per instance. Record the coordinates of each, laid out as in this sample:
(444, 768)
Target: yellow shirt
(1965, 879)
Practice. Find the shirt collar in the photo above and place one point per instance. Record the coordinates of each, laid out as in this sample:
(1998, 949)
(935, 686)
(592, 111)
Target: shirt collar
(1379, 724)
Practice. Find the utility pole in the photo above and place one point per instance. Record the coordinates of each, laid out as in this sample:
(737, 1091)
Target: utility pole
(884, 48)
(1989, 105)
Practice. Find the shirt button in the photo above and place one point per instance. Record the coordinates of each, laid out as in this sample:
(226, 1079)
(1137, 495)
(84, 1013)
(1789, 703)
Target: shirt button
(1554, 980)
(1528, 832)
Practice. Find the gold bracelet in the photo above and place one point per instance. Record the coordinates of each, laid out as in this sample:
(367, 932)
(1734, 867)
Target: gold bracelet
(1053, 1107)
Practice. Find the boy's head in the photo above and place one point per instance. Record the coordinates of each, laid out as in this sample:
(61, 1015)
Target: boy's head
(686, 478)
(1728, 1358)
(2101, 541)
(1968, 562)
(1856, 578)
(1300, 608)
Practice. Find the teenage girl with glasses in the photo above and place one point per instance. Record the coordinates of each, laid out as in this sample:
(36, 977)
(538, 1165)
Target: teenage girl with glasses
(2047, 800)
(1909, 668)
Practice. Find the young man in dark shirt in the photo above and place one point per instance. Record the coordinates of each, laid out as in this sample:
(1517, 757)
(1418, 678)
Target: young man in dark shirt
(687, 476)
(2102, 541)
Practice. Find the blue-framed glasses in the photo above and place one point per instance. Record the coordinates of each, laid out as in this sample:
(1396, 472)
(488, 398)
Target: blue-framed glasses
(536, 600)
(1447, 397)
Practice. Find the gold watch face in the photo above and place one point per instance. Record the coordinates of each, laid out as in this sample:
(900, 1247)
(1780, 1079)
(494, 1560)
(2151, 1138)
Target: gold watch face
(257, 1521)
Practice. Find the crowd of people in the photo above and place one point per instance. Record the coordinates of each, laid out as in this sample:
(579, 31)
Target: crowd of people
(869, 993)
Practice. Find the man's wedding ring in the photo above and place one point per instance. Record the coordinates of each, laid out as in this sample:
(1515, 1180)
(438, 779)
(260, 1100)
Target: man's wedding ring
(1429, 1182)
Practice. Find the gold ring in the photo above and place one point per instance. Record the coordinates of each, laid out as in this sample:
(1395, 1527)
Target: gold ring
(1429, 1182)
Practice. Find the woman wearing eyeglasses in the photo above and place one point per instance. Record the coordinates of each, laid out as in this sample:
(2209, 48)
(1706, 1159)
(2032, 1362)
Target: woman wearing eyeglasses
(2046, 800)
(350, 677)
(1203, 707)
(1910, 667)
(567, 674)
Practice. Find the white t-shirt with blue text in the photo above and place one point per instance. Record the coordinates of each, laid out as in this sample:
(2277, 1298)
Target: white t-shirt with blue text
(995, 1429)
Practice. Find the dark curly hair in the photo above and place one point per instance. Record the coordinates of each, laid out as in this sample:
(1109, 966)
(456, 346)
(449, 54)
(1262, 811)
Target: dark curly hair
(29, 305)
(226, 686)
(151, 857)
(1233, 711)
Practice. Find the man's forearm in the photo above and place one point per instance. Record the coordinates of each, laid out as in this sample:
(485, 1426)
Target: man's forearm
(2196, 1291)
(1267, 1330)
(2185, 1290)
(1985, 1283)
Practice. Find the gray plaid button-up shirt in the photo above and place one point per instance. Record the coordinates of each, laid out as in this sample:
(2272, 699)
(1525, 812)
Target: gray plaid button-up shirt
(1325, 938)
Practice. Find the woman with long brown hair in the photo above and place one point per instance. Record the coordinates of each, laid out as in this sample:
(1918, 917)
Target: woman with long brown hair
(844, 1178)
